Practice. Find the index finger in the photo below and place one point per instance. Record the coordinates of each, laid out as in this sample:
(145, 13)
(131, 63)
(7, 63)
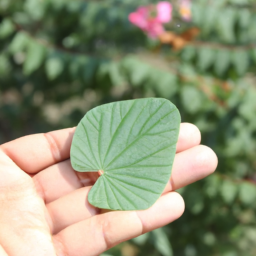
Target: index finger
(33, 153)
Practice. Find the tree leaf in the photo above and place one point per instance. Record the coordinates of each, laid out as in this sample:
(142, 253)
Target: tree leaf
(6, 28)
(54, 67)
(188, 53)
(164, 83)
(247, 193)
(132, 143)
(34, 58)
(142, 239)
(19, 42)
(228, 191)
(241, 61)
(206, 57)
(162, 242)
(194, 97)
(222, 62)
(226, 25)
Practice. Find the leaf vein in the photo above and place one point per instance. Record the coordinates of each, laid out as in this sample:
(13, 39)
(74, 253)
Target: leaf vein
(138, 177)
(81, 152)
(89, 143)
(122, 193)
(133, 143)
(138, 166)
(151, 117)
(114, 135)
(91, 123)
(94, 116)
(104, 181)
(134, 123)
(115, 197)
(136, 186)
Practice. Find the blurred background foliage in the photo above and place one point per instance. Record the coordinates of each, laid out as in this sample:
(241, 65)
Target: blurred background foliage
(60, 58)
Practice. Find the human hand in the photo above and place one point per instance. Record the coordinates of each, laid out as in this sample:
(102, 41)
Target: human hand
(43, 201)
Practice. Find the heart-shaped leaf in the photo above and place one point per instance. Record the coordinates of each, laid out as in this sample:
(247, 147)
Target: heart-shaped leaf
(132, 145)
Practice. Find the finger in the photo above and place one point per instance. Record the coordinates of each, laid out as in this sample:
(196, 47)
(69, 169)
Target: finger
(192, 165)
(70, 209)
(36, 152)
(189, 136)
(189, 166)
(60, 179)
(101, 232)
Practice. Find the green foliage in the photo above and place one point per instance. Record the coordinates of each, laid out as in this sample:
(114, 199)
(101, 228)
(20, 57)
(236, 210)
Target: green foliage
(126, 141)
(60, 58)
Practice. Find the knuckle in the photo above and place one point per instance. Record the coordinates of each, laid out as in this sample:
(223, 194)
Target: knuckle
(53, 146)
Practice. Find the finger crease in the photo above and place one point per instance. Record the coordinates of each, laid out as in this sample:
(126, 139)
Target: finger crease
(39, 188)
(60, 248)
(172, 184)
(143, 226)
(104, 232)
(54, 147)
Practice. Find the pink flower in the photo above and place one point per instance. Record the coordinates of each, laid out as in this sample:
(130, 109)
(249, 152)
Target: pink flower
(150, 18)
(139, 18)
(154, 29)
(164, 12)
(185, 10)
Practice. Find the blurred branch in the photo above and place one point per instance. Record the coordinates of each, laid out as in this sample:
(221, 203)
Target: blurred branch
(222, 46)
(187, 38)
(237, 181)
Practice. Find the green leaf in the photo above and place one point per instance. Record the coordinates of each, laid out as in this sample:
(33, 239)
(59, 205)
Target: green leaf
(162, 242)
(197, 13)
(164, 83)
(34, 58)
(54, 67)
(6, 28)
(142, 239)
(193, 96)
(89, 67)
(206, 57)
(222, 61)
(226, 25)
(210, 16)
(115, 74)
(228, 191)
(132, 145)
(247, 193)
(253, 54)
(19, 42)
(5, 66)
(188, 53)
(252, 30)
(241, 61)
(137, 70)
(244, 16)
(35, 8)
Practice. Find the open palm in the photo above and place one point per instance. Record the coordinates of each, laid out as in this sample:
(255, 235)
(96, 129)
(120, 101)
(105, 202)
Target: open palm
(43, 201)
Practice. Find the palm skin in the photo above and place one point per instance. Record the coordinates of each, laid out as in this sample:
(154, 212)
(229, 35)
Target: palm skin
(43, 201)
